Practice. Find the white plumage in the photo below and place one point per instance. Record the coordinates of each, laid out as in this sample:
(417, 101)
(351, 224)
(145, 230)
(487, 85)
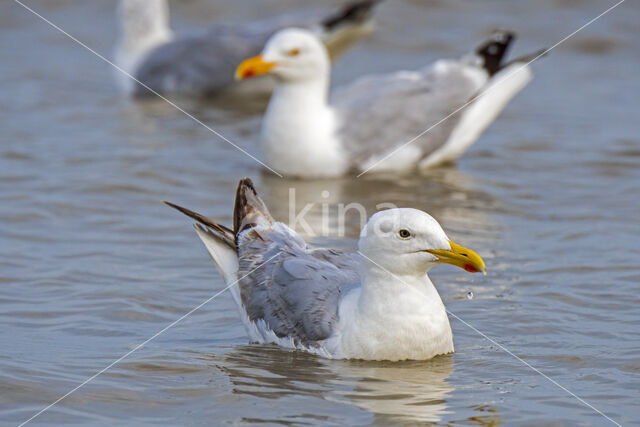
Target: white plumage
(367, 124)
(376, 304)
(202, 63)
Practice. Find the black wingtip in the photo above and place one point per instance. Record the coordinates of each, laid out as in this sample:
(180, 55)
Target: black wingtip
(239, 210)
(249, 210)
(246, 183)
(178, 208)
(188, 212)
(494, 50)
(200, 218)
(355, 12)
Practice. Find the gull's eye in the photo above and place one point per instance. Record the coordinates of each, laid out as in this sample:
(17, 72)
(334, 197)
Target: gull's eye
(405, 234)
(294, 52)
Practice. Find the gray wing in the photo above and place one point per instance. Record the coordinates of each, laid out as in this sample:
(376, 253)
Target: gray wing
(202, 63)
(296, 291)
(379, 113)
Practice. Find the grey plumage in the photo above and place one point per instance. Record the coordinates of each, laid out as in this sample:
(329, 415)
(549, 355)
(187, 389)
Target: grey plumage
(204, 63)
(380, 113)
(371, 124)
(201, 63)
(293, 289)
(297, 294)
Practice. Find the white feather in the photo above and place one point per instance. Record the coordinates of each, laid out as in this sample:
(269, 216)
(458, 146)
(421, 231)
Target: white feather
(481, 113)
(395, 313)
(226, 261)
(368, 121)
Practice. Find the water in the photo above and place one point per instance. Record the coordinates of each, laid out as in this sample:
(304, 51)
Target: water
(92, 264)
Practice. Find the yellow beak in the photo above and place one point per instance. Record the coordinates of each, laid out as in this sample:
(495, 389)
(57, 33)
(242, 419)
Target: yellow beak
(253, 67)
(460, 257)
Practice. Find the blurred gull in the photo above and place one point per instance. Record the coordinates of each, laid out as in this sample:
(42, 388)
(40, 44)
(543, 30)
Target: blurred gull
(378, 304)
(203, 63)
(305, 135)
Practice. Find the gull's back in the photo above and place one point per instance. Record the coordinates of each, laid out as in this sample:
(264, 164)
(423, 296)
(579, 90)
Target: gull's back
(382, 112)
(286, 287)
(291, 290)
(200, 63)
(287, 293)
(425, 111)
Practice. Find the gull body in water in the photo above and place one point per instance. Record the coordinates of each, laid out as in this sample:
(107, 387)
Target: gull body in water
(364, 125)
(203, 63)
(377, 303)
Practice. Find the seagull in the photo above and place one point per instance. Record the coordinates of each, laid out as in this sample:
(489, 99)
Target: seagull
(203, 63)
(376, 303)
(390, 122)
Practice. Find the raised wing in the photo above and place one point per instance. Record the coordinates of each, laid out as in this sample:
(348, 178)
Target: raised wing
(380, 113)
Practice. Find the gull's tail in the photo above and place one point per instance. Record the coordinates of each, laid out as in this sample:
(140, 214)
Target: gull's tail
(220, 242)
(348, 25)
(219, 231)
(505, 80)
(249, 211)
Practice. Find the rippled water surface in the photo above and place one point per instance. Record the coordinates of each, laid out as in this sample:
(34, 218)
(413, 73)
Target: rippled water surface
(92, 264)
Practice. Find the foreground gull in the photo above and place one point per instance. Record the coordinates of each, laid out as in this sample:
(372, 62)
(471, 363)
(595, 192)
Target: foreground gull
(377, 304)
(304, 135)
(203, 63)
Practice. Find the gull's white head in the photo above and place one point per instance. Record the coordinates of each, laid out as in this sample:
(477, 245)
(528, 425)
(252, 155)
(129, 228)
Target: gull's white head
(410, 242)
(292, 54)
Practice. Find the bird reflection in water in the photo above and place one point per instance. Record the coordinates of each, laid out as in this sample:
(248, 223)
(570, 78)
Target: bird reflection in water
(394, 392)
(450, 196)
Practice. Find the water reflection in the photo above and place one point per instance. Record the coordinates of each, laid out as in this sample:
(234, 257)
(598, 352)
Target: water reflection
(449, 195)
(488, 416)
(397, 392)
(394, 392)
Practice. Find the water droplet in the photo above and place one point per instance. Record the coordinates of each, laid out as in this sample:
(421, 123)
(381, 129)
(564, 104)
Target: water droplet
(470, 295)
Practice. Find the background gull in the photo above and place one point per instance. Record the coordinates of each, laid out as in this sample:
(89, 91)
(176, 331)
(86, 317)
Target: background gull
(203, 63)
(378, 304)
(304, 135)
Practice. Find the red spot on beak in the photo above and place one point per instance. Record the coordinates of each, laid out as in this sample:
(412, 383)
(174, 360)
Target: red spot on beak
(248, 74)
(470, 268)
